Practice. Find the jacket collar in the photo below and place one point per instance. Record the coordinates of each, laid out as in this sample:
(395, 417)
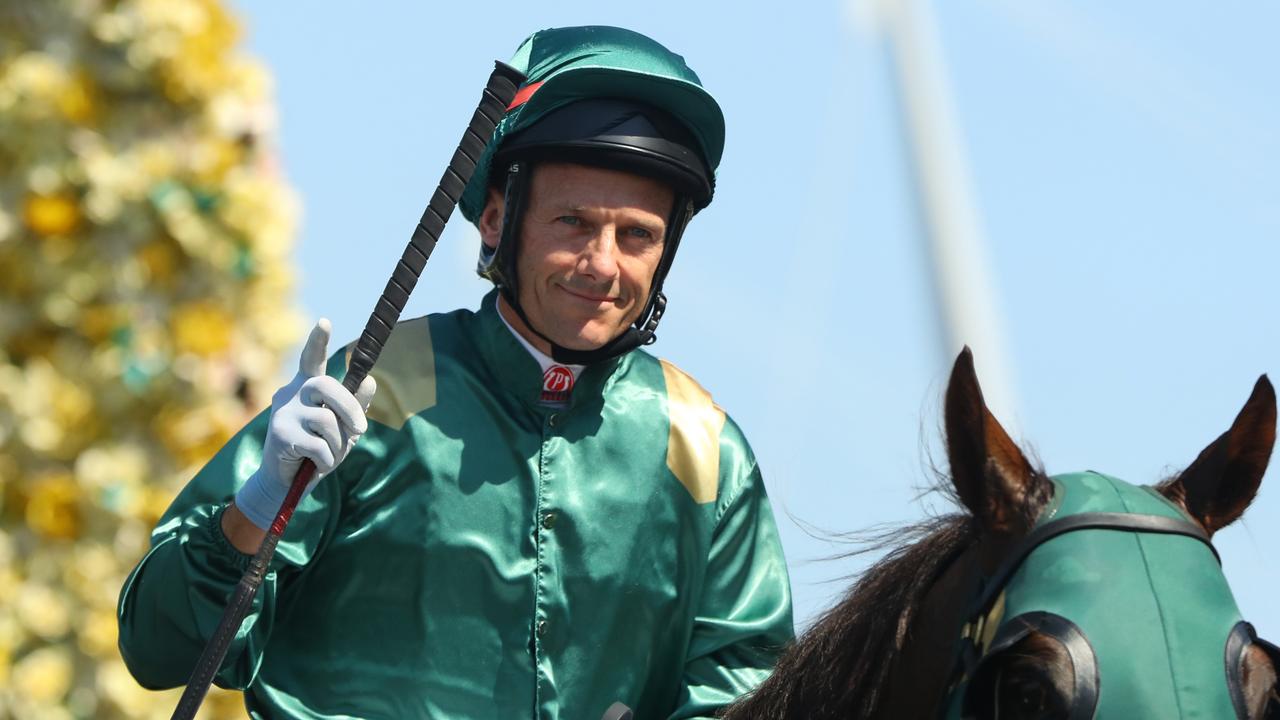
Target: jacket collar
(517, 372)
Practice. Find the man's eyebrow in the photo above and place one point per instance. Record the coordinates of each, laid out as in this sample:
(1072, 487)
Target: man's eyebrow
(657, 224)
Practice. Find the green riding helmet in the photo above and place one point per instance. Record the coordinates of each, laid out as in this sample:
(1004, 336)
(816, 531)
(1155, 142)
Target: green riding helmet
(1132, 591)
(611, 98)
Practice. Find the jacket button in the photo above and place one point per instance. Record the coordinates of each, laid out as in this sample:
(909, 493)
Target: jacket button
(554, 419)
(549, 520)
(542, 628)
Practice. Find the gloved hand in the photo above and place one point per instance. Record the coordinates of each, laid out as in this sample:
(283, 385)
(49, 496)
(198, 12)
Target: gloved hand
(312, 417)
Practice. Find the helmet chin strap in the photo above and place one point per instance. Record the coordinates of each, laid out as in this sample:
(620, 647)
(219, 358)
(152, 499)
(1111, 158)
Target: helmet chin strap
(501, 268)
(628, 340)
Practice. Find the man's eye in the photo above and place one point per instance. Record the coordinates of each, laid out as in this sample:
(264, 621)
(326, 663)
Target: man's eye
(639, 232)
(569, 220)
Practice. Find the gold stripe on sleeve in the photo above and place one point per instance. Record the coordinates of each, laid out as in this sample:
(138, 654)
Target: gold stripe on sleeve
(693, 446)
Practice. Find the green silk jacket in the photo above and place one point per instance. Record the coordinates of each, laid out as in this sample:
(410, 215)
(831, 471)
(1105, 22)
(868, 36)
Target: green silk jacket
(479, 555)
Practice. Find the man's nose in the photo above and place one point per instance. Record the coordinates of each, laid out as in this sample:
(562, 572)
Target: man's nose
(600, 257)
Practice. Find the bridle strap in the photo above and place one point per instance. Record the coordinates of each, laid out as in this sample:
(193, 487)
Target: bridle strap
(1157, 524)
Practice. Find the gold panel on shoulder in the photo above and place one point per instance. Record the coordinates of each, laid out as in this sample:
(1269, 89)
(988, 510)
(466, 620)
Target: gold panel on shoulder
(693, 446)
(405, 373)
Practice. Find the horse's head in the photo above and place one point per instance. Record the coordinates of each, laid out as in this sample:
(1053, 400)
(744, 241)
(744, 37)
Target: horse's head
(1055, 598)
(1083, 596)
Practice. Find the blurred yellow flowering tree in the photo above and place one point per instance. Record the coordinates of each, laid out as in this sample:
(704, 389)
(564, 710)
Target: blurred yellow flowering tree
(144, 306)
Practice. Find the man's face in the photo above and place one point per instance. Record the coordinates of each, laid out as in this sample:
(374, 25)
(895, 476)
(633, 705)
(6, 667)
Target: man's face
(590, 242)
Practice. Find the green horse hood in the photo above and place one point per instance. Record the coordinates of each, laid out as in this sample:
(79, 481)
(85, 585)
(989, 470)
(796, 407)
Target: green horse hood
(1152, 607)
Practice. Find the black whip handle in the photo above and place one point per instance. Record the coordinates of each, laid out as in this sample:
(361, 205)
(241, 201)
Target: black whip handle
(498, 94)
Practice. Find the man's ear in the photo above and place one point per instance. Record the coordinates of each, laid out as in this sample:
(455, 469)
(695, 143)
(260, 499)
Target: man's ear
(1223, 480)
(491, 218)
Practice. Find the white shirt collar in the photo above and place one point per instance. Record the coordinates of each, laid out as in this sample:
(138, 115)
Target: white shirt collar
(554, 390)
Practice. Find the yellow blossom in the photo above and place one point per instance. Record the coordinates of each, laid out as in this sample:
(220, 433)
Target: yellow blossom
(133, 535)
(43, 611)
(97, 634)
(197, 69)
(103, 466)
(94, 575)
(193, 436)
(212, 159)
(37, 78)
(41, 434)
(260, 209)
(71, 405)
(97, 322)
(11, 632)
(201, 328)
(43, 675)
(121, 693)
(163, 234)
(75, 99)
(155, 159)
(10, 584)
(51, 214)
(154, 502)
(53, 507)
(161, 260)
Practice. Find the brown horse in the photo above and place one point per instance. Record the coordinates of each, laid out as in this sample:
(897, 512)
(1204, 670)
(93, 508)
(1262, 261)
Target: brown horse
(926, 632)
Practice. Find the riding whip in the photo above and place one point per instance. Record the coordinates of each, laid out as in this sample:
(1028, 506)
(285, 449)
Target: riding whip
(498, 94)
(618, 711)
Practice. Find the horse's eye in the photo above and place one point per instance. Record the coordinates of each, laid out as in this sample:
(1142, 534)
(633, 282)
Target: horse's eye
(1027, 693)
(1254, 679)
(1030, 680)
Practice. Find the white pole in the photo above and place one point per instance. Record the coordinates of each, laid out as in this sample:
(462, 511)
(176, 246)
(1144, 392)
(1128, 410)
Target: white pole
(967, 309)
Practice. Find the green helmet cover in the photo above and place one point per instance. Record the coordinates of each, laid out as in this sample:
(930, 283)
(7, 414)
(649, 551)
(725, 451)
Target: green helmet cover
(1155, 608)
(567, 64)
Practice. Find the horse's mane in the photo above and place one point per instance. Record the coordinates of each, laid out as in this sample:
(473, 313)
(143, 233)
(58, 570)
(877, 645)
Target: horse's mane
(838, 668)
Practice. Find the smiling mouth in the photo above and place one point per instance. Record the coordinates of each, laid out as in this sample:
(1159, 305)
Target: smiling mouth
(588, 298)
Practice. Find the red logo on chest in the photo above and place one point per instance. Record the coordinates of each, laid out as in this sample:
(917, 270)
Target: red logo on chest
(557, 379)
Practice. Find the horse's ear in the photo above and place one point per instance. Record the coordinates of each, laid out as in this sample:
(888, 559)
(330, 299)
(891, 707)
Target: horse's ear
(991, 475)
(1222, 481)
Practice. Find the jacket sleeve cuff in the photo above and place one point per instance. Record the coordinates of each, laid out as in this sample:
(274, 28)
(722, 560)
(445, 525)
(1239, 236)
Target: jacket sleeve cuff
(221, 547)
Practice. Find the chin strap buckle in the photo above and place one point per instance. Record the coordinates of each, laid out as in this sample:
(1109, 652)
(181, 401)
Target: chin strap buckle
(650, 330)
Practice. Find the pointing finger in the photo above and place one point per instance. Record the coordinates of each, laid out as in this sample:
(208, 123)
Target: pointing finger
(314, 352)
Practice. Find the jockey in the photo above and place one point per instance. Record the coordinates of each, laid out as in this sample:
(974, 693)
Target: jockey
(540, 518)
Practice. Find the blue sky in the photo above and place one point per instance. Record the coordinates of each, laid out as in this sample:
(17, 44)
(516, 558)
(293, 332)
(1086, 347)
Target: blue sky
(1125, 164)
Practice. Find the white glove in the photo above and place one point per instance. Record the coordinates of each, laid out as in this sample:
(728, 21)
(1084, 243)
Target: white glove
(312, 417)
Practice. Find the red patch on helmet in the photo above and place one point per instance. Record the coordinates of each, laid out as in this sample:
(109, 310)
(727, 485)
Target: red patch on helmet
(523, 95)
